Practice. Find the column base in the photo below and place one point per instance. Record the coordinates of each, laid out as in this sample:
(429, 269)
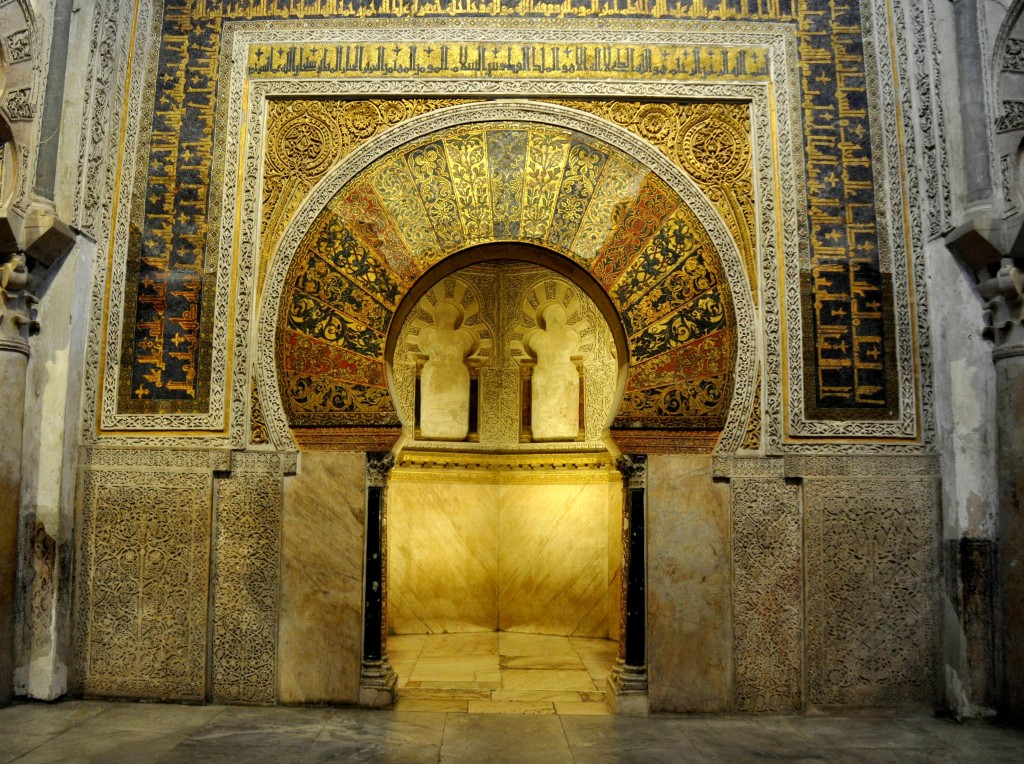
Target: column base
(378, 684)
(627, 689)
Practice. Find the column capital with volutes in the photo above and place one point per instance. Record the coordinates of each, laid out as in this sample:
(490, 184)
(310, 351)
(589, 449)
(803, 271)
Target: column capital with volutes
(17, 306)
(1004, 309)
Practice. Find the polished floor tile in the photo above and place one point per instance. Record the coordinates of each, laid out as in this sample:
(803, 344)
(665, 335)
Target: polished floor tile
(522, 728)
(538, 679)
(503, 672)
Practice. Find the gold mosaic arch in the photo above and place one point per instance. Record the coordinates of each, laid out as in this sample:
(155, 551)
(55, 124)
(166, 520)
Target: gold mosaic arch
(507, 181)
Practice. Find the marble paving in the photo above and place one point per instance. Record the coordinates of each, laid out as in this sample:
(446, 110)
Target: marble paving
(84, 732)
(501, 673)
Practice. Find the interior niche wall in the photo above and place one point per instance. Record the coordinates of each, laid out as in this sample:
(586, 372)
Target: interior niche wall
(495, 531)
(475, 549)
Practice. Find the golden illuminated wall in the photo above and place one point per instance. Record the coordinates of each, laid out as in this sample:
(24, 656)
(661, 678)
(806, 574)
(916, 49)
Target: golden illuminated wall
(497, 545)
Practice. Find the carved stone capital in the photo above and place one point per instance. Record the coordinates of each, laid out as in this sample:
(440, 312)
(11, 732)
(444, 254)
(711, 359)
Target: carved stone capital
(1004, 307)
(634, 469)
(17, 306)
(378, 465)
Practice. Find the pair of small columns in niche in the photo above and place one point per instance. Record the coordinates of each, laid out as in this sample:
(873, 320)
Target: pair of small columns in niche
(445, 389)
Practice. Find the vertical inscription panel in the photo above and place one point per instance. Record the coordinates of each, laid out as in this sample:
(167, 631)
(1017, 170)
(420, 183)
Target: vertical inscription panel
(246, 588)
(871, 594)
(142, 584)
(767, 594)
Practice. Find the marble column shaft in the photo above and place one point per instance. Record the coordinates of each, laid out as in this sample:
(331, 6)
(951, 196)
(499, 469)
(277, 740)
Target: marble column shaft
(1004, 293)
(12, 383)
(1009, 361)
(15, 321)
(377, 680)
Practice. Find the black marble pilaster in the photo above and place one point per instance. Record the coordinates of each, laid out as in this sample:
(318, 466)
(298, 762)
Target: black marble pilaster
(636, 580)
(627, 683)
(373, 601)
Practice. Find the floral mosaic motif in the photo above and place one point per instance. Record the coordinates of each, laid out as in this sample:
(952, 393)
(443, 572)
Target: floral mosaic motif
(703, 316)
(507, 153)
(493, 182)
(711, 142)
(307, 137)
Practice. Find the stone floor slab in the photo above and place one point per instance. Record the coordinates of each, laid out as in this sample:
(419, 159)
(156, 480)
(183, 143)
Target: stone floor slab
(85, 732)
(494, 738)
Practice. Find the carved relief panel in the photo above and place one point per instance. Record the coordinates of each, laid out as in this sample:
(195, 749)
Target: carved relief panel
(537, 367)
(871, 597)
(142, 572)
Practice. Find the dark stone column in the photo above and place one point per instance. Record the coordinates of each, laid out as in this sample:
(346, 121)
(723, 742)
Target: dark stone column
(971, 575)
(15, 322)
(377, 680)
(627, 683)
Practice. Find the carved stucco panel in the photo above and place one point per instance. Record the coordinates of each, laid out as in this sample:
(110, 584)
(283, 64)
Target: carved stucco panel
(142, 591)
(247, 585)
(767, 596)
(871, 590)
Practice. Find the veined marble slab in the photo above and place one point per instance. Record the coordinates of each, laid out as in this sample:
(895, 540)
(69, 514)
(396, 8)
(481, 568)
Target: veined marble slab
(442, 557)
(468, 555)
(320, 637)
(689, 627)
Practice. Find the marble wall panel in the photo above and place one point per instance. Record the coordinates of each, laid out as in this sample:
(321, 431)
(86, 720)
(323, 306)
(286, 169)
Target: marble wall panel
(871, 548)
(689, 631)
(615, 510)
(320, 642)
(767, 548)
(246, 582)
(142, 572)
(479, 551)
(442, 555)
(553, 559)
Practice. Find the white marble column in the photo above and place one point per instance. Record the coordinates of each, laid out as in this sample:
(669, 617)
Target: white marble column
(1005, 295)
(15, 322)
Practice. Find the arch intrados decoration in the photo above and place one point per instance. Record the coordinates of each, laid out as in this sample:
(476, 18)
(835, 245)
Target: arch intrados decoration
(737, 306)
(521, 252)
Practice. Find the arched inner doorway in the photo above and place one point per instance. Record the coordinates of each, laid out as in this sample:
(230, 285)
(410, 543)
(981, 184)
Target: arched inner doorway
(631, 231)
(504, 510)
